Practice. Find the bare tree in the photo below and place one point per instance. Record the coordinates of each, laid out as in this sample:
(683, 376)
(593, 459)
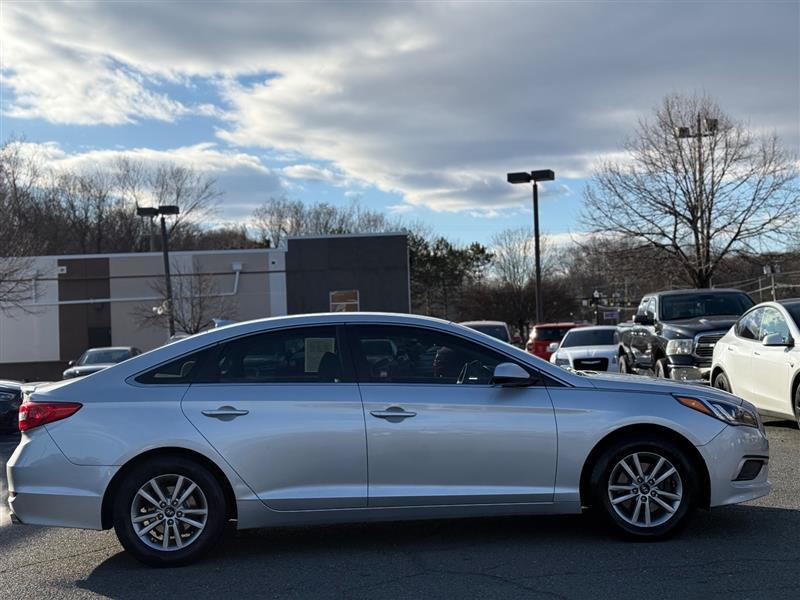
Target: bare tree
(697, 185)
(279, 218)
(19, 176)
(196, 301)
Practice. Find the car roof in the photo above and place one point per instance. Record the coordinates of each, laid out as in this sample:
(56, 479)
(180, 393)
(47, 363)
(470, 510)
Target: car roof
(694, 290)
(10, 383)
(789, 302)
(468, 323)
(563, 324)
(593, 328)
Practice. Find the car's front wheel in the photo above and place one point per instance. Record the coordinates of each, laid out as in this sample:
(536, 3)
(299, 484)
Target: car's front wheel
(797, 404)
(721, 382)
(644, 487)
(661, 368)
(169, 511)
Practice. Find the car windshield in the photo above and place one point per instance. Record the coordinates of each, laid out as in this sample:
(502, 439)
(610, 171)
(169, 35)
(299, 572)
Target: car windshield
(496, 331)
(794, 311)
(689, 306)
(590, 337)
(104, 356)
(550, 334)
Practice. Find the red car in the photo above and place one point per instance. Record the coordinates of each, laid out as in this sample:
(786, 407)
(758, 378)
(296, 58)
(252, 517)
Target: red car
(544, 334)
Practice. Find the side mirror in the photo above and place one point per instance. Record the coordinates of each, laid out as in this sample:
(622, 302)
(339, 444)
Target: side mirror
(553, 347)
(510, 374)
(776, 339)
(644, 319)
(71, 363)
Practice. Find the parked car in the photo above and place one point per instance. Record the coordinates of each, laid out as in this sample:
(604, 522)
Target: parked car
(594, 348)
(544, 334)
(97, 359)
(170, 446)
(496, 329)
(673, 333)
(759, 359)
(10, 399)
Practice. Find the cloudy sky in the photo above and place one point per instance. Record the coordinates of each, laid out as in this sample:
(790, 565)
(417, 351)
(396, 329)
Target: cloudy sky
(415, 109)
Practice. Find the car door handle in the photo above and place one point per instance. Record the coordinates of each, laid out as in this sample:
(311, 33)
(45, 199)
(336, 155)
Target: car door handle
(392, 413)
(225, 411)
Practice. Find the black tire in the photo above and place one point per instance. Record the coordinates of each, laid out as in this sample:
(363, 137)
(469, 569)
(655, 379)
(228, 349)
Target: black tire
(606, 466)
(721, 382)
(797, 404)
(660, 369)
(207, 537)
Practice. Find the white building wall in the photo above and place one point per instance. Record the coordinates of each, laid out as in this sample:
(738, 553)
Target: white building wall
(30, 334)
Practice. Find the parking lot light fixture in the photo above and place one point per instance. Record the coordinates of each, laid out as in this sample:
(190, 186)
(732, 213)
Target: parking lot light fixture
(535, 177)
(152, 212)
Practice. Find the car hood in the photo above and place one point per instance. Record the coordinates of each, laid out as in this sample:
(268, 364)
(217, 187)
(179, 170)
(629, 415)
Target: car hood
(588, 351)
(87, 369)
(638, 383)
(690, 327)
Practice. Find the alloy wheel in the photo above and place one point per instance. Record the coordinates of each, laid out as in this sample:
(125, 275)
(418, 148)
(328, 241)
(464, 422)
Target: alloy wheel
(169, 512)
(645, 489)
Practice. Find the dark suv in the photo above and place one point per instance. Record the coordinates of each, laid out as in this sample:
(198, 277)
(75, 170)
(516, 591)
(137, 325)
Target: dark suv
(10, 399)
(673, 333)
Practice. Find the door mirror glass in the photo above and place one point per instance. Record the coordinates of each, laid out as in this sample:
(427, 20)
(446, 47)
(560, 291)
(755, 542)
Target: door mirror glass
(509, 374)
(643, 319)
(552, 347)
(775, 339)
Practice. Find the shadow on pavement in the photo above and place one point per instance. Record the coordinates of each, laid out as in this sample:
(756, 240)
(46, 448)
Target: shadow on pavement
(744, 551)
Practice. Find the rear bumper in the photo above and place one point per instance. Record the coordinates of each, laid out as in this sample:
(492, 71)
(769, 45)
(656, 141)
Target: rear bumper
(46, 489)
(726, 456)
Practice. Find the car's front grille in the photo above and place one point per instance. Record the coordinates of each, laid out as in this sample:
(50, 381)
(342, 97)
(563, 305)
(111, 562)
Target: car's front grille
(590, 364)
(704, 343)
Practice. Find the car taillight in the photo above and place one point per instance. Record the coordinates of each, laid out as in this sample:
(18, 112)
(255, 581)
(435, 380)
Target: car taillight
(36, 414)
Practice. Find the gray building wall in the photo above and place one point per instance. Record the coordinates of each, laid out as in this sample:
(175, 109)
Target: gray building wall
(375, 265)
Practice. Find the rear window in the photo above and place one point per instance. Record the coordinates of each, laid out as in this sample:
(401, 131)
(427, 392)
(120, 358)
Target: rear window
(794, 311)
(550, 334)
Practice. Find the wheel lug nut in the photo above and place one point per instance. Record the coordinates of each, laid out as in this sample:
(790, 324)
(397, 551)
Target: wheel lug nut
(160, 516)
(163, 504)
(180, 514)
(169, 522)
(174, 503)
(652, 482)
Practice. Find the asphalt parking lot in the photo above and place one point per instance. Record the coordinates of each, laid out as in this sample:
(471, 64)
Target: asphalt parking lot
(746, 551)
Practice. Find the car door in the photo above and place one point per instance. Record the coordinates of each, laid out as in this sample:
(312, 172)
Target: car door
(438, 433)
(770, 365)
(284, 411)
(738, 357)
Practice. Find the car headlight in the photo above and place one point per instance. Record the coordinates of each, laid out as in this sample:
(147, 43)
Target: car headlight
(727, 412)
(680, 346)
(562, 362)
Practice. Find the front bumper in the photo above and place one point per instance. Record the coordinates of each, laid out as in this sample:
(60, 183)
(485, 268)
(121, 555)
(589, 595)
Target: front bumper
(726, 456)
(685, 368)
(46, 489)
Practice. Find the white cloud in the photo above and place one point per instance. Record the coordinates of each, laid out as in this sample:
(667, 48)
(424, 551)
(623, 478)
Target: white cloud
(433, 101)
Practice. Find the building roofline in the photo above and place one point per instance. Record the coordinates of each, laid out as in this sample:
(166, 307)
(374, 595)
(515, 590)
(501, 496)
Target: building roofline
(347, 235)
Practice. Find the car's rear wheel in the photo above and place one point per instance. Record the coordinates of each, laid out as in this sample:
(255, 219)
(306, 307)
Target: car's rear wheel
(661, 368)
(169, 511)
(645, 487)
(721, 382)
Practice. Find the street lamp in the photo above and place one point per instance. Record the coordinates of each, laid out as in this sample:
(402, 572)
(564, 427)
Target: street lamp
(152, 212)
(710, 130)
(535, 177)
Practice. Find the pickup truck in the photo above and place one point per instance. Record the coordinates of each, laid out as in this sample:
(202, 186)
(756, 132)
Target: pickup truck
(673, 333)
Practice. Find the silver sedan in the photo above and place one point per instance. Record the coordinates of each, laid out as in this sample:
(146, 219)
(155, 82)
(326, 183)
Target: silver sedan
(300, 420)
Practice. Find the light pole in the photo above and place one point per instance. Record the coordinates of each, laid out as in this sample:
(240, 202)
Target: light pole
(699, 133)
(535, 177)
(152, 212)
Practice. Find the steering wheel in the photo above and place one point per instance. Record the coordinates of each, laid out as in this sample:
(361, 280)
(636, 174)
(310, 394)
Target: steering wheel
(465, 370)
